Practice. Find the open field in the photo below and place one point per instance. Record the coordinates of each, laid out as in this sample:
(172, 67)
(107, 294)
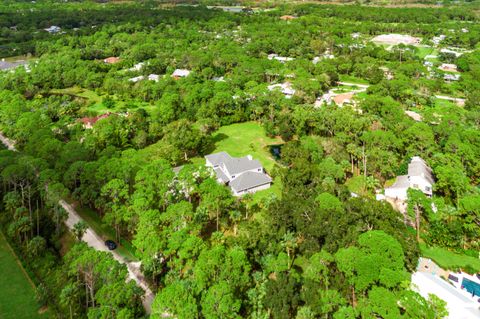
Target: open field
(449, 260)
(17, 294)
(96, 100)
(246, 138)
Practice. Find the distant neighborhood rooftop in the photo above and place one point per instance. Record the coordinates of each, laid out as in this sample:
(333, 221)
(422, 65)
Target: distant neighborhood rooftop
(4, 65)
(180, 73)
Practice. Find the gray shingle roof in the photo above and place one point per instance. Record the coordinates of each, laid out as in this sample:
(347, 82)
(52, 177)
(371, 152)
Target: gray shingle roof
(221, 176)
(249, 180)
(218, 158)
(4, 65)
(401, 182)
(418, 167)
(238, 165)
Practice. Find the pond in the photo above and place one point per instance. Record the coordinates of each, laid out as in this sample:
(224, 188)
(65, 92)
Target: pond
(276, 151)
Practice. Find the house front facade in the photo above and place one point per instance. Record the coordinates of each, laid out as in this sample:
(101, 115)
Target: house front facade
(419, 177)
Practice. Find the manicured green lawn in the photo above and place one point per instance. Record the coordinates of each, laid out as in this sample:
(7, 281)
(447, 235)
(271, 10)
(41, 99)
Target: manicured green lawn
(125, 249)
(17, 295)
(244, 139)
(449, 260)
(352, 79)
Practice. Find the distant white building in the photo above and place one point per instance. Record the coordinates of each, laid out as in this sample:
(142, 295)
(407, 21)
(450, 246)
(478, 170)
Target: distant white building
(437, 40)
(136, 79)
(449, 51)
(137, 67)
(451, 77)
(281, 59)
(326, 56)
(150, 77)
(154, 77)
(448, 67)
(53, 29)
(285, 88)
(419, 177)
(242, 174)
(180, 73)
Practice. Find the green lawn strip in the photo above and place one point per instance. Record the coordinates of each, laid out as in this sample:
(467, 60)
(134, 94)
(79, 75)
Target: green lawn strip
(17, 293)
(424, 51)
(352, 79)
(91, 217)
(450, 260)
(275, 189)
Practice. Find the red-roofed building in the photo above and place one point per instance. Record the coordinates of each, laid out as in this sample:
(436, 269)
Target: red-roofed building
(88, 122)
(112, 60)
(287, 17)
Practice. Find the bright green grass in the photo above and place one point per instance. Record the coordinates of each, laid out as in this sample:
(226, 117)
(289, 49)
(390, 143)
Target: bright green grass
(17, 296)
(246, 138)
(444, 103)
(96, 100)
(357, 185)
(424, 51)
(352, 79)
(450, 260)
(125, 249)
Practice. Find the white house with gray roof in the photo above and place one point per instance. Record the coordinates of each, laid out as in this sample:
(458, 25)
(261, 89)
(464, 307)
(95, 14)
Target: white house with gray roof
(419, 177)
(243, 174)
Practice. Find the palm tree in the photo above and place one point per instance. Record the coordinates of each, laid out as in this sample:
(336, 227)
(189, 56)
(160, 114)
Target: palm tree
(289, 242)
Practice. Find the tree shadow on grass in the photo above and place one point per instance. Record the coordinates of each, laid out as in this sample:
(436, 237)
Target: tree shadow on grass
(214, 140)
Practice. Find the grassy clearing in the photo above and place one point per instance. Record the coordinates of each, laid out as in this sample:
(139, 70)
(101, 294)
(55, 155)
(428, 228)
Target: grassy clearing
(95, 100)
(246, 138)
(249, 139)
(450, 260)
(352, 79)
(125, 249)
(17, 294)
(424, 51)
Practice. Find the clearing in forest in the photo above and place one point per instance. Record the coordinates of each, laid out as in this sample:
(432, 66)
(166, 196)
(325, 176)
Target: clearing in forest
(246, 138)
(250, 139)
(17, 294)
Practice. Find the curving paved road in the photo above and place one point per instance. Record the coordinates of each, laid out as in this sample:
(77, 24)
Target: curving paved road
(95, 241)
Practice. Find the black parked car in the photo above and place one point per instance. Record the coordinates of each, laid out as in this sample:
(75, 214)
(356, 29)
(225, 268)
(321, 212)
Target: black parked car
(111, 245)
